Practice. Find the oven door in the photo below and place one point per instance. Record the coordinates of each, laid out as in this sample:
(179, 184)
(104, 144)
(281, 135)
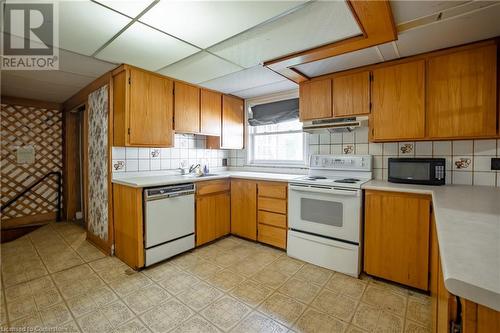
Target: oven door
(325, 211)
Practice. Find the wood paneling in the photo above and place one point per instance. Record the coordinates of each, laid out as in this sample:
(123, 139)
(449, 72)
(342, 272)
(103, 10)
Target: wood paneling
(398, 102)
(397, 237)
(233, 118)
(272, 205)
(273, 219)
(315, 101)
(211, 112)
(272, 236)
(461, 94)
(187, 108)
(150, 113)
(351, 94)
(128, 222)
(273, 190)
(244, 208)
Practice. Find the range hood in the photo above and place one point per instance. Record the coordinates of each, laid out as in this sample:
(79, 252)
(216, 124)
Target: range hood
(334, 125)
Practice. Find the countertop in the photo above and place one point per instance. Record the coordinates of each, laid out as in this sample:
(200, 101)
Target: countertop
(468, 230)
(159, 180)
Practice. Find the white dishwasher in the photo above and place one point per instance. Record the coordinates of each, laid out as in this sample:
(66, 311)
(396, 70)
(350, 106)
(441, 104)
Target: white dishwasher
(168, 221)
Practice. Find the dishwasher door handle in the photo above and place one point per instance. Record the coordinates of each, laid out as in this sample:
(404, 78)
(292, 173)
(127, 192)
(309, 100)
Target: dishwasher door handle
(168, 195)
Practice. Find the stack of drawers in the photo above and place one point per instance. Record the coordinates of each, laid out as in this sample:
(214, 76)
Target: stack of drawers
(272, 213)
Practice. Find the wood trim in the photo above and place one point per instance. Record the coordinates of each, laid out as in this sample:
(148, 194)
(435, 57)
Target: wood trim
(23, 221)
(99, 243)
(71, 164)
(31, 102)
(110, 167)
(376, 23)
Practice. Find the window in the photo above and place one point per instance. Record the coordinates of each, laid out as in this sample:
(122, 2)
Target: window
(278, 144)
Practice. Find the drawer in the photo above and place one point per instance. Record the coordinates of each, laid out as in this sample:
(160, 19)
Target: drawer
(212, 186)
(274, 219)
(272, 236)
(272, 205)
(272, 190)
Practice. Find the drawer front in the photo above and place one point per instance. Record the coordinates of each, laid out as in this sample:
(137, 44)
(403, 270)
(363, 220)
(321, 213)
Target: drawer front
(272, 190)
(272, 236)
(272, 205)
(274, 219)
(212, 186)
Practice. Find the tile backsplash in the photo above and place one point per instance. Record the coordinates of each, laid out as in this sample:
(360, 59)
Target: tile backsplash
(467, 161)
(188, 149)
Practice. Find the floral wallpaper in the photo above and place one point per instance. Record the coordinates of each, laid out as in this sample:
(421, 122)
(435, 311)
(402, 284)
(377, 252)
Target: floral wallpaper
(98, 162)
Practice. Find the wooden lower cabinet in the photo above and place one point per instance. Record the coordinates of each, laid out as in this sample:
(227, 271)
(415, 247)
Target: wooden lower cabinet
(244, 208)
(397, 237)
(213, 202)
(272, 213)
(479, 319)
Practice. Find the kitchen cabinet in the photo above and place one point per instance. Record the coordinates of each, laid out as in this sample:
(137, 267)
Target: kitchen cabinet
(315, 99)
(272, 213)
(210, 112)
(233, 118)
(244, 208)
(398, 102)
(351, 94)
(142, 108)
(212, 210)
(479, 319)
(461, 93)
(186, 108)
(396, 237)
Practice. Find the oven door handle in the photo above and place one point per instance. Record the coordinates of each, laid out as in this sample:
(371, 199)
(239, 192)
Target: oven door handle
(315, 189)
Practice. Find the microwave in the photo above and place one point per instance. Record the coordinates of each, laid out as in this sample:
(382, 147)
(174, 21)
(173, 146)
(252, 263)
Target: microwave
(425, 171)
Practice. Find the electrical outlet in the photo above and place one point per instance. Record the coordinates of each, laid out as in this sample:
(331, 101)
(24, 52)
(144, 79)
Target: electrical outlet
(224, 162)
(495, 163)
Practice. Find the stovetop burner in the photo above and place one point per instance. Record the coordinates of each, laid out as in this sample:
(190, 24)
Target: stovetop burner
(347, 180)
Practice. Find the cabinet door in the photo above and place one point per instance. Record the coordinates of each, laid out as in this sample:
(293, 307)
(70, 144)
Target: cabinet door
(462, 93)
(351, 94)
(223, 221)
(398, 102)
(187, 108)
(244, 208)
(206, 212)
(150, 110)
(211, 112)
(397, 237)
(315, 100)
(232, 122)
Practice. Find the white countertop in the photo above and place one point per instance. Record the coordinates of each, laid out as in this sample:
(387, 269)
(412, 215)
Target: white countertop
(468, 230)
(168, 179)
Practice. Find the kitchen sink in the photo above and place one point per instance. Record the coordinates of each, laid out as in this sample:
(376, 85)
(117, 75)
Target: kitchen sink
(205, 175)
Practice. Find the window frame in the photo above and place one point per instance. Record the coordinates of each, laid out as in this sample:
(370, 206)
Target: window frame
(250, 161)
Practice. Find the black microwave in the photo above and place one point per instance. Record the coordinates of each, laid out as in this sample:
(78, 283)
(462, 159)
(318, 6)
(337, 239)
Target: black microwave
(425, 171)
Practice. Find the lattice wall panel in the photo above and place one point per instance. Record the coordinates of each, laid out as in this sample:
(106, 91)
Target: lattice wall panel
(42, 128)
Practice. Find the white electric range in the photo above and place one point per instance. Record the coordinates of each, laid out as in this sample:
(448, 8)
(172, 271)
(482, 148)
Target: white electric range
(324, 212)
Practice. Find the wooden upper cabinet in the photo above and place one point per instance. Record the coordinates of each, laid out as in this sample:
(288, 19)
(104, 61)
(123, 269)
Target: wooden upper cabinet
(397, 237)
(233, 118)
(211, 112)
(398, 101)
(462, 90)
(315, 100)
(244, 208)
(351, 94)
(187, 108)
(142, 109)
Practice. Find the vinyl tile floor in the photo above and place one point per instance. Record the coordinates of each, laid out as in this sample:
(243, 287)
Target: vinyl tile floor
(53, 279)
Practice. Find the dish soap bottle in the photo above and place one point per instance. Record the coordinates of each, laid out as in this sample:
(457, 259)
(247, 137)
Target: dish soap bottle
(206, 171)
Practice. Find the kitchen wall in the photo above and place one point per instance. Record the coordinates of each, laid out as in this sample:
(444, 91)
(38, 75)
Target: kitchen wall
(467, 161)
(188, 149)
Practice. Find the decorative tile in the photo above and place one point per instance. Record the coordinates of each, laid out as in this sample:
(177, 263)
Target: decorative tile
(196, 324)
(133, 326)
(462, 163)
(256, 323)
(412, 327)
(419, 310)
(385, 299)
(225, 279)
(118, 165)
(21, 307)
(177, 282)
(166, 316)
(160, 271)
(204, 269)
(90, 301)
(348, 149)
(406, 149)
(287, 265)
(251, 292)
(272, 278)
(199, 296)
(282, 309)
(347, 285)
(314, 274)
(55, 315)
(315, 321)
(300, 290)
(374, 319)
(146, 298)
(226, 312)
(129, 283)
(335, 305)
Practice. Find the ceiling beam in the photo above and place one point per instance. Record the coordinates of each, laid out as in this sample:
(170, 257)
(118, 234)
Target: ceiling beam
(376, 23)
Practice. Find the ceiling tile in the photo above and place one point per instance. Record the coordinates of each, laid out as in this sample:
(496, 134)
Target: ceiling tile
(388, 51)
(131, 8)
(266, 89)
(242, 80)
(200, 67)
(145, 47)
(204, 23)
(315, 24)
(405, 10)
(341, 62)
(478, 25)
(85, 26)
(83, 65)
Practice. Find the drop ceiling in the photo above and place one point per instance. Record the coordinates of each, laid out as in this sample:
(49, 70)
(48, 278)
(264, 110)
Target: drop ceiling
(222, 44)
